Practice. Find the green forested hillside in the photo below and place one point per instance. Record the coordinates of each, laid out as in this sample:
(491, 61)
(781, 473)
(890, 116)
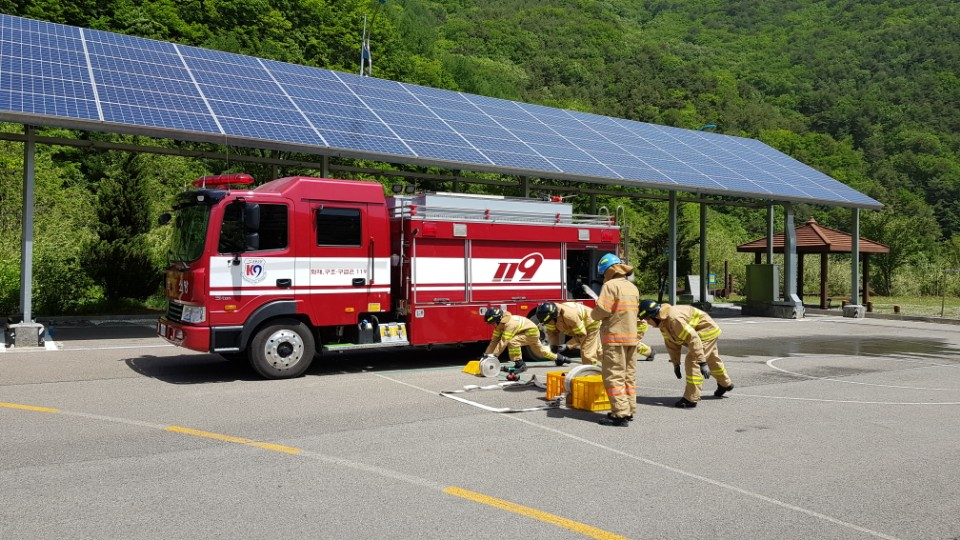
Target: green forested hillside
(866, 91)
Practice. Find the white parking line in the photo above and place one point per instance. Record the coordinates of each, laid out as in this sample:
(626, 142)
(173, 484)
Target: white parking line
(704, 479)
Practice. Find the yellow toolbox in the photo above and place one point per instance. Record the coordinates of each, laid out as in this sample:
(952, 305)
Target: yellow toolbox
(556, 384)
(588, 394)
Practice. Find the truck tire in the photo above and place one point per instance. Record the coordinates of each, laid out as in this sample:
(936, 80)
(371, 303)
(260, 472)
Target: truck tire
(282, 349)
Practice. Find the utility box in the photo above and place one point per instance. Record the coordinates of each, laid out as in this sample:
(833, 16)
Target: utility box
(763, 283)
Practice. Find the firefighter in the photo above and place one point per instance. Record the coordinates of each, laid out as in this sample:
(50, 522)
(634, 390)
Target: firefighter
(687, 326)
(571, 319)
(512, 332)
(616, 308)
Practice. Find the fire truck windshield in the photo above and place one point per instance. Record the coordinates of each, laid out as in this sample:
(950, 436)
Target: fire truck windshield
(189, 232)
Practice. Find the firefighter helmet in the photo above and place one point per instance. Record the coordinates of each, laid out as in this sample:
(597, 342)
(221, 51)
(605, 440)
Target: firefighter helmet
(493, 315)
(547, 311)
(606, 262)
(649, 308)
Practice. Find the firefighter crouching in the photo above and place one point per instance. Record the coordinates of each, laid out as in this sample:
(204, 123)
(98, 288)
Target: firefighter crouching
(512, 332)
(687, 326)
(616, 308)
(571, 319)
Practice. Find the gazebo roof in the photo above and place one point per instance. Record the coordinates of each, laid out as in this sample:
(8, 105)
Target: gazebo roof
(815, 238)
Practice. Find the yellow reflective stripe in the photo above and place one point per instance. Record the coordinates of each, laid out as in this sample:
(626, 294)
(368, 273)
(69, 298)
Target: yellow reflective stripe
(718, 372)
(508, 335)
(497, 333)
(667, 337)
(710, 334)
(551, 327)
(687, 330)
(694, 379)
(594, 325)
(642, 326)
(578, 331)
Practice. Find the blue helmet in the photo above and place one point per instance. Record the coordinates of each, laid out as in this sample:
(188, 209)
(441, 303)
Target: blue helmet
(606, 262)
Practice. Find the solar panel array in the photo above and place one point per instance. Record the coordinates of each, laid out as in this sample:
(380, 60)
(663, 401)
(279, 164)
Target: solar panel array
(52, 74)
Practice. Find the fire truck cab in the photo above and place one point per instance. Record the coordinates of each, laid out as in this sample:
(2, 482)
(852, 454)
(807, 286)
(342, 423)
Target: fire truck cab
(300, 266)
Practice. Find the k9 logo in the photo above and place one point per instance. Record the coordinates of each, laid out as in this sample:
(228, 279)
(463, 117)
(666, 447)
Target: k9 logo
(527, 267)
(254, 270)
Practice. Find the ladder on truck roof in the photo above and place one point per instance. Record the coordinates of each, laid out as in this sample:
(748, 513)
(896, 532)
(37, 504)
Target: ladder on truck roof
(493, 209)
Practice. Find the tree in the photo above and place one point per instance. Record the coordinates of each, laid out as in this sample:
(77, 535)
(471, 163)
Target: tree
(120, 259)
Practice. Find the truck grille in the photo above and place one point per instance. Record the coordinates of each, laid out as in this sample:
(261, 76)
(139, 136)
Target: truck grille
(174, 311)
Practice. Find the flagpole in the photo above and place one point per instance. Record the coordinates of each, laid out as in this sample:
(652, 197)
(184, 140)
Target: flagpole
(366, 58)
(363, 46)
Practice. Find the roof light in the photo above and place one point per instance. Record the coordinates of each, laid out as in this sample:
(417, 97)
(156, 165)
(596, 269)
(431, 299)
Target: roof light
(223, 180)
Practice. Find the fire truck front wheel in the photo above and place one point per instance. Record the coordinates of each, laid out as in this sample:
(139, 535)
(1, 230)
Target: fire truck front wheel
(282, 349)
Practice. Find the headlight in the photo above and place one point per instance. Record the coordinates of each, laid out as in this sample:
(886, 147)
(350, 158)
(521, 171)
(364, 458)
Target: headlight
(193, 314)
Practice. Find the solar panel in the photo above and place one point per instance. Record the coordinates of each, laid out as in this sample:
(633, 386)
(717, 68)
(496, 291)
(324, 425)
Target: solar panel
(58, 75)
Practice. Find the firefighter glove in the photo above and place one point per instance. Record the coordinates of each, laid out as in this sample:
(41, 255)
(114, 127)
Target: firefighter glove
(676, 371)
(705, 370)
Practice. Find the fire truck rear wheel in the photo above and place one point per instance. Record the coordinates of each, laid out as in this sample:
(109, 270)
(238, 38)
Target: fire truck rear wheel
(282, 350)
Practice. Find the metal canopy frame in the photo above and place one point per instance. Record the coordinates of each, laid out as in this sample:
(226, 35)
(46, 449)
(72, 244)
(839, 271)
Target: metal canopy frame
(63, 76)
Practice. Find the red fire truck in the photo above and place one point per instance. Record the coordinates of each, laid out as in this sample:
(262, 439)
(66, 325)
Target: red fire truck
(300, 266)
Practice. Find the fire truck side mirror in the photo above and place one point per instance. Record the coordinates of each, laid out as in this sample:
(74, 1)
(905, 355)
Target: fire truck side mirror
(251, 241)
(251, 217)
(251, 226)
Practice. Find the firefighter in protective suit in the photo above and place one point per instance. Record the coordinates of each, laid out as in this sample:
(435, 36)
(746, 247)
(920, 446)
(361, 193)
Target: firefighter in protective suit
(687, 326)
(512, 332)
(616, 308)
(571, 319)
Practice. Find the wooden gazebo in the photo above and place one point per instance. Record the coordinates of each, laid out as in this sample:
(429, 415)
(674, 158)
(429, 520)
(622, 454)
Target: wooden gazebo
(815, 238)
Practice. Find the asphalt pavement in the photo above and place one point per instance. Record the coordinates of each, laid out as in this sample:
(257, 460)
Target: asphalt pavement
(837, 428)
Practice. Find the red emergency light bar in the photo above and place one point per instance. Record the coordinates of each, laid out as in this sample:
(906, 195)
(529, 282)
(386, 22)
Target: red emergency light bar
(223, 180)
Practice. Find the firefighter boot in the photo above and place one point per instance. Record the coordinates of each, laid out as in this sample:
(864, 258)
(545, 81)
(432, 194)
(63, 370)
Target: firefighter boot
(721, 390)
(616, 421)
(561, 360)
(684, 403)
(518, 367)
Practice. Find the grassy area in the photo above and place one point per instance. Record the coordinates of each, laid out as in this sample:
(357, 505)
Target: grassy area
(927, 306)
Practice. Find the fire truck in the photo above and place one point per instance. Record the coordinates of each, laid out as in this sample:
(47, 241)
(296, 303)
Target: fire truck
(299, 267)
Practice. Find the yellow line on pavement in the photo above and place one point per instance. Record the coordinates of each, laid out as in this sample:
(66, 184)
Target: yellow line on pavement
(575, 526)
(28, 407)
(237, 440)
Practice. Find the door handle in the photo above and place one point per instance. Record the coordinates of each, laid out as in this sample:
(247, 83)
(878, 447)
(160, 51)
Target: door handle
(284, 283)
(359, 282)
